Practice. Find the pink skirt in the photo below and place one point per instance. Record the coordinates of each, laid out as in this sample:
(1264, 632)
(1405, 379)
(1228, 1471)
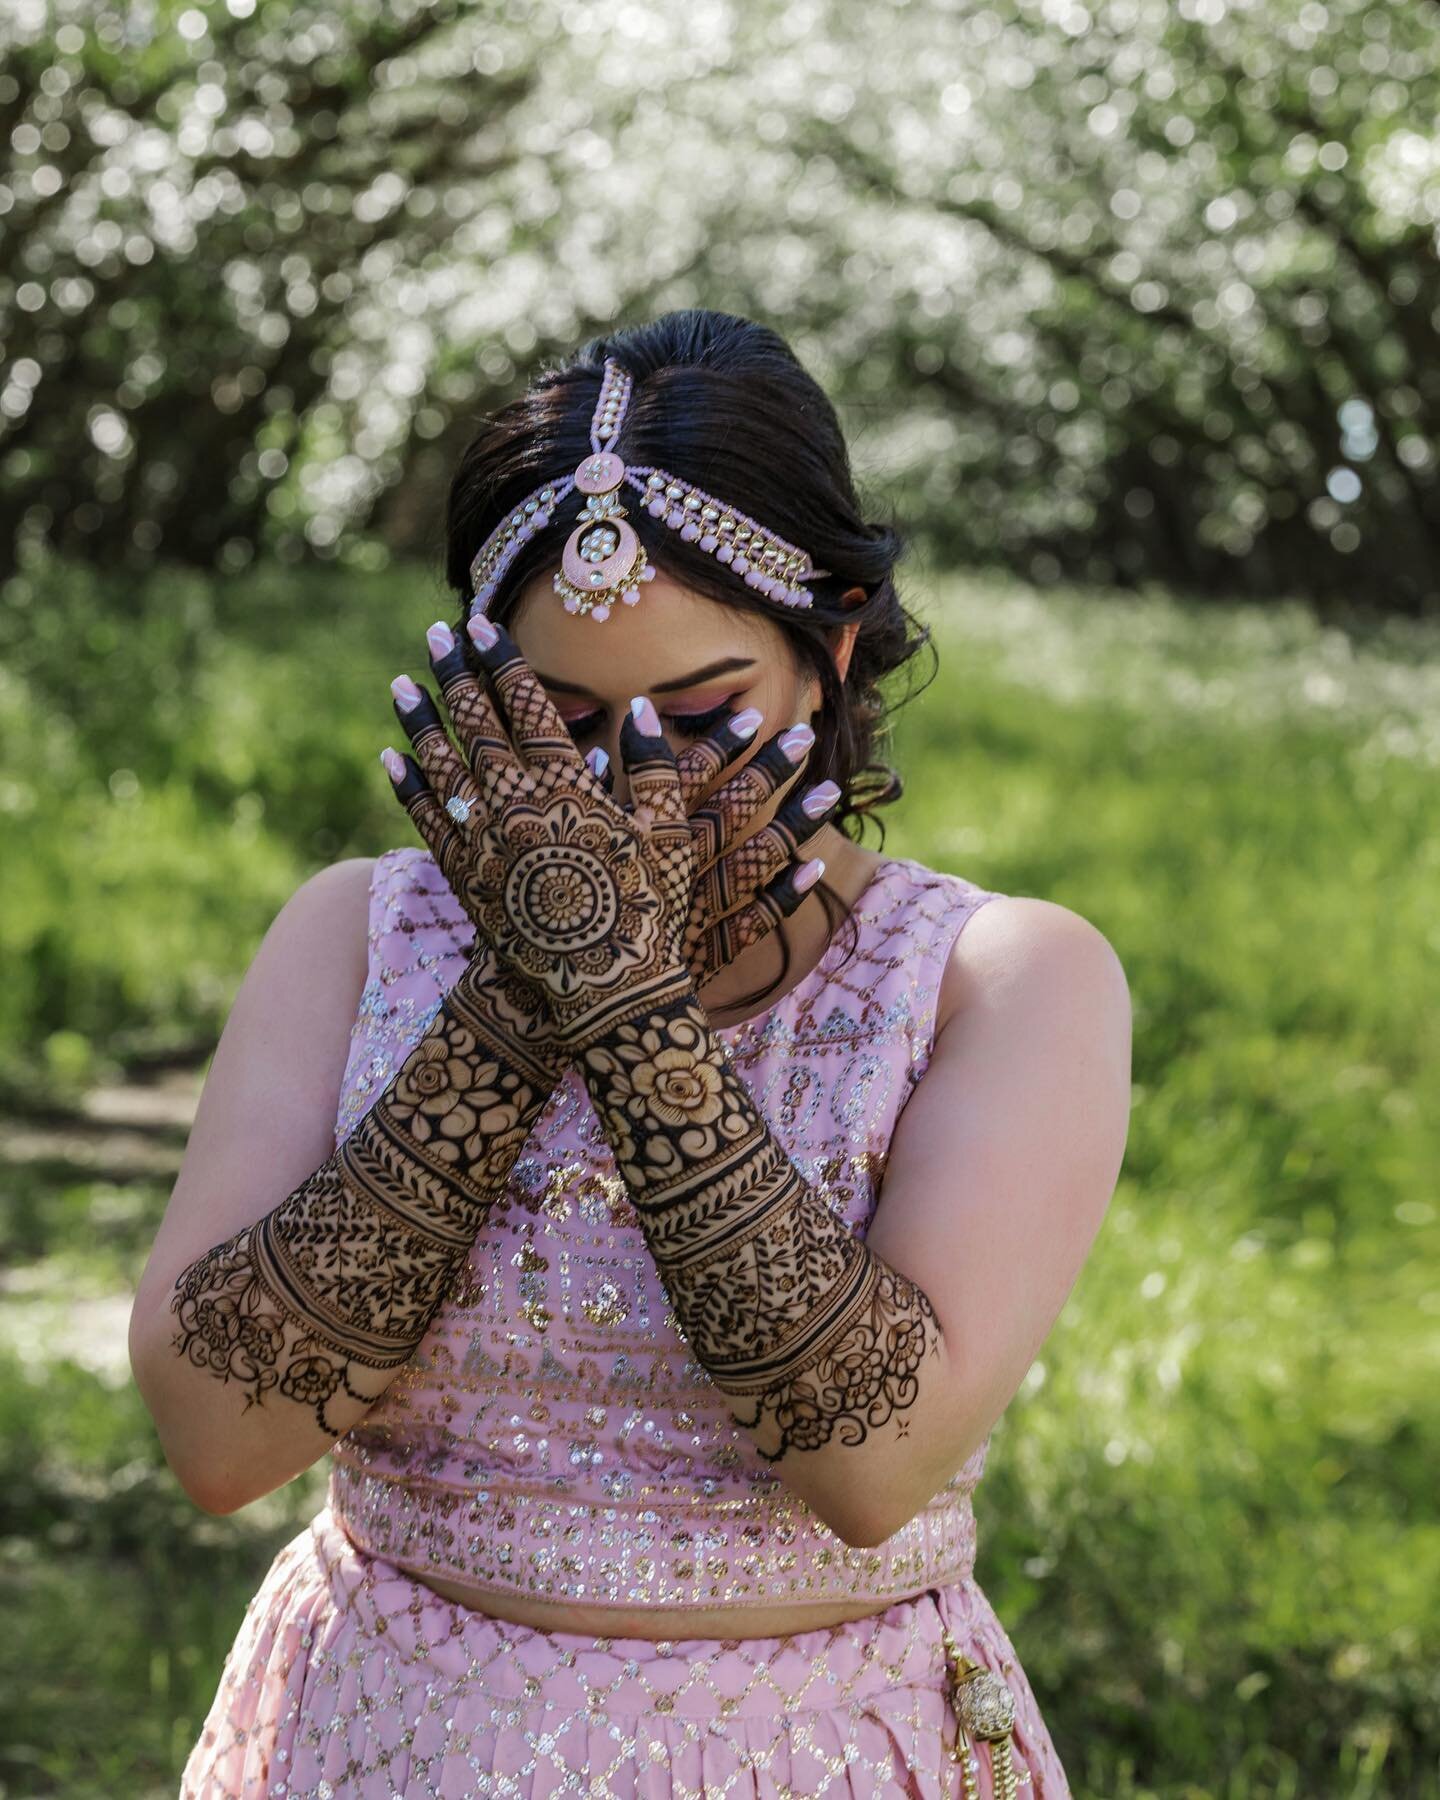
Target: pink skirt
(351, 1678)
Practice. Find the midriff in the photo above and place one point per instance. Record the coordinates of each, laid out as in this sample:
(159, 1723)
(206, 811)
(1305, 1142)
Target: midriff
(656, 1623)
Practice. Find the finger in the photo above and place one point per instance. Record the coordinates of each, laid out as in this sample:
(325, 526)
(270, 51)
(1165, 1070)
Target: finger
(650, 766)
(776, 901)
(538, 730)
(478, 727)
(703, 762)
(732, 807)
(597, 761)
(437, 830)
(737, 874)
(443, 765)
(747, 867)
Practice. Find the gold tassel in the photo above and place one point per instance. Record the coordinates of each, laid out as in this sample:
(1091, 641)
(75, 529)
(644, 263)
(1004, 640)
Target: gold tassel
(984, 1708)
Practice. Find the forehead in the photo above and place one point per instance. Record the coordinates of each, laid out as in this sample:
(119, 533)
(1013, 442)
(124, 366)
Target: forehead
(670, 632)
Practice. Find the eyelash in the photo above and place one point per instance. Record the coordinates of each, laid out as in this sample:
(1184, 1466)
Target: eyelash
(687, 724)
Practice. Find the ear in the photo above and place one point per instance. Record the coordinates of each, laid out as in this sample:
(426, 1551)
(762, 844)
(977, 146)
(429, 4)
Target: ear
(842, 640)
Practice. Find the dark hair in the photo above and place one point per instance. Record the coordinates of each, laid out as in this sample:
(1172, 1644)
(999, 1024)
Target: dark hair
(724, 403)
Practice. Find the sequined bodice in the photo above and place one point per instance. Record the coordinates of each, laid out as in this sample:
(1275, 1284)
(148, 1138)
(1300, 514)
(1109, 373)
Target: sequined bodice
(552, 1436)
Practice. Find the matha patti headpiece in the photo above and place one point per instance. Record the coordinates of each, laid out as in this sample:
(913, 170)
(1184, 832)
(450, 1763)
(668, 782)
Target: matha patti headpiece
(603, 560)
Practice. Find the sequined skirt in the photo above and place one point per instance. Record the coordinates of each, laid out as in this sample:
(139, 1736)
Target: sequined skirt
(348, 1677)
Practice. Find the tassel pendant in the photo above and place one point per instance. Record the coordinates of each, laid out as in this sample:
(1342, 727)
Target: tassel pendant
(984, 1708)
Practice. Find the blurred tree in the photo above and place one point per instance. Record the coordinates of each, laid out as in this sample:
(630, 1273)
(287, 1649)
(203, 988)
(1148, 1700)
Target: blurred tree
(1139, 290)
(1189, 329)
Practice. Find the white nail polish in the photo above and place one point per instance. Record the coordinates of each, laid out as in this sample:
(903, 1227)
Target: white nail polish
(440, 638)
(809, 873)
(407, 695)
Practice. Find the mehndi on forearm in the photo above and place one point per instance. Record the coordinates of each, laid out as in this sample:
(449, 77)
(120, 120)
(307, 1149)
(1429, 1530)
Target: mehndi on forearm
(346, 1273)
(810, 1334)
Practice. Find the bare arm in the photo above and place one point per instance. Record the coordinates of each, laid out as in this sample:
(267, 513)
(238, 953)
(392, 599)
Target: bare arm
(316, 1304)
(280, 1059)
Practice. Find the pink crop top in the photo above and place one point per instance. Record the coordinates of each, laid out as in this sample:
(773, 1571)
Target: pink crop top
(552, 1436)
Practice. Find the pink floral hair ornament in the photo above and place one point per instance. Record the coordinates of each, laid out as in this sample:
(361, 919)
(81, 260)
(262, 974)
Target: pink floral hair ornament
(604, 562)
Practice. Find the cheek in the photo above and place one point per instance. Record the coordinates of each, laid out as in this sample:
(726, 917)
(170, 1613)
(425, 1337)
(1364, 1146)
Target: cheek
(786, 702)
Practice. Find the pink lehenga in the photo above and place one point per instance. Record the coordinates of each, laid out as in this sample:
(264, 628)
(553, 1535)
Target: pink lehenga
(553, 1437)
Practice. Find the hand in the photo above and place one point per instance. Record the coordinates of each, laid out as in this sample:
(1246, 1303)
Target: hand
(741, 890)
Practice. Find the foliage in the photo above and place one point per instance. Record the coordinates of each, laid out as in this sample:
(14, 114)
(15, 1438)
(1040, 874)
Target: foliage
(1121, 291)
(1208, 1519)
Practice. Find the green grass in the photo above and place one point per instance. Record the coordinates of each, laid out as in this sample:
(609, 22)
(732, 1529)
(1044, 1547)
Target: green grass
(1208, 1520)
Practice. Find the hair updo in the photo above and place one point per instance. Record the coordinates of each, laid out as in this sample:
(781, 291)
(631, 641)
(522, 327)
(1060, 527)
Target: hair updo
(725, 404)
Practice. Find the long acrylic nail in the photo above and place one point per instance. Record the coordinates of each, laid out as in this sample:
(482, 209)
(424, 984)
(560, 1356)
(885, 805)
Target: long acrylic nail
(645, 715)
(820, 799)
(482, 631)
(809, 873)
(796, 741)
(746, 724)
(597, 761)
(394, 763)
(407, 695)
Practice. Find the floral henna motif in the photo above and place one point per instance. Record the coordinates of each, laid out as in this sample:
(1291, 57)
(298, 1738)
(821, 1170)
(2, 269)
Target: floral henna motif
(566, 897)
(346, 1273)
(783, 1305)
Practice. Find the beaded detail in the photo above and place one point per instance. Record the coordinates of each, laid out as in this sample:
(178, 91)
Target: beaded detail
(552, 1436)
(603, 563)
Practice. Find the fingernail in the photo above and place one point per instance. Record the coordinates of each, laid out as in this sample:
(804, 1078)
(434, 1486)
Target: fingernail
(482, 631)
(809, 873)
(820, 799)
(796, 741)
(407, 695)
(394, 763)
(746, 724)
(597, 760)
(440, 638)
(645, 715)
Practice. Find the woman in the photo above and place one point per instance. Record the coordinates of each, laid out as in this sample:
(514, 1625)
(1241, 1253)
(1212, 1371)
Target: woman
(654, 1418)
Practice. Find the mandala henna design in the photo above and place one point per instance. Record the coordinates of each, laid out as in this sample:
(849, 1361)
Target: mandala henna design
(346, 1273)
(728, 911)
(784, 1306)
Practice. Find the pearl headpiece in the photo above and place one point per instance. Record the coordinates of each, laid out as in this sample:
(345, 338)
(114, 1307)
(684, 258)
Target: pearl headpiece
(604, 562)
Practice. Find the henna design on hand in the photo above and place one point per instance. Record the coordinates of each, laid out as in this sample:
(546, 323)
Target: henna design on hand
(800, 1323)
(346, 1273)
(783, 1305)
(593, 902)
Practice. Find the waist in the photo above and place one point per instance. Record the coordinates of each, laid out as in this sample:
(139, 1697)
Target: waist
(656, 1624)
(692, 1556)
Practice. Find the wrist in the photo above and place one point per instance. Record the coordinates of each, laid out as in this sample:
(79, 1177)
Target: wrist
(508, 1015)
(595, 1018)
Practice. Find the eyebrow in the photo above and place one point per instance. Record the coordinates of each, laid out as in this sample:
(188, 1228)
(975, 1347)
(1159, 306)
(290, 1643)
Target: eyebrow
(727, 665)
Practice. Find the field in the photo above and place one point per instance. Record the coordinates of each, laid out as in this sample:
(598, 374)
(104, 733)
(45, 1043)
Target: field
(1209, 1517)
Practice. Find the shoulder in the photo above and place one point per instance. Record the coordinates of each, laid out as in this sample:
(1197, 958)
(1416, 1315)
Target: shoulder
(321, 929)
(1016, 948)
(332, 895)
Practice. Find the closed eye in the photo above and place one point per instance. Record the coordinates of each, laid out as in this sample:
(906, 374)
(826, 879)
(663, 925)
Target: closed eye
(694, 724)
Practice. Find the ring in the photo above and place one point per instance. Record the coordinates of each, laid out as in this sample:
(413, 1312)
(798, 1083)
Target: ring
(458, 808)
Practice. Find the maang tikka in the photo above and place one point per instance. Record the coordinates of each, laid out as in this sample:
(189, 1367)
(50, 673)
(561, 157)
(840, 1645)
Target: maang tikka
(604, 562)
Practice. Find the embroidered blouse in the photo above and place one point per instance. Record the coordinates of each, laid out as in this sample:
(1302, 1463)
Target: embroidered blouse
(553, 1436)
